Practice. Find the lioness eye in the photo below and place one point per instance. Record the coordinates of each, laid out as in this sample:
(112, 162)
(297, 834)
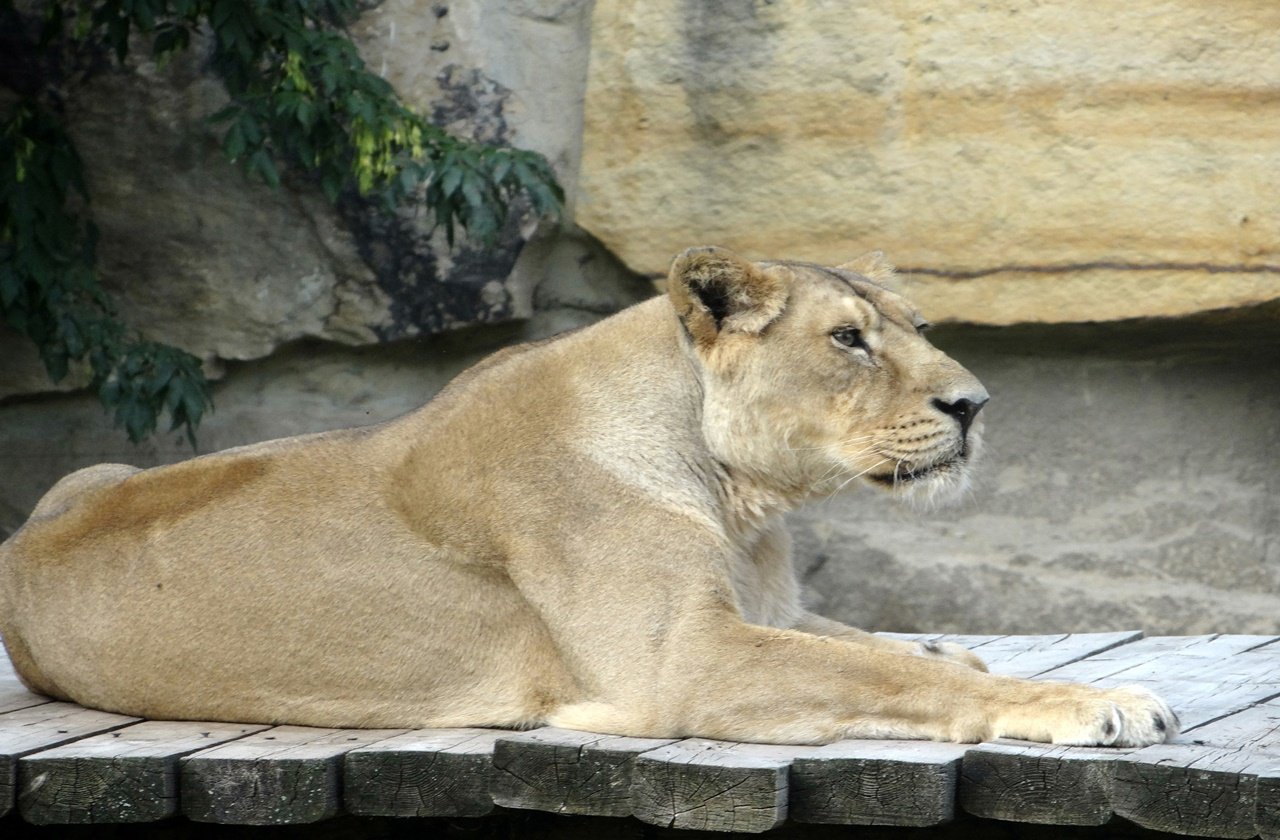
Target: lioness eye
(923, 327)
(849, 337)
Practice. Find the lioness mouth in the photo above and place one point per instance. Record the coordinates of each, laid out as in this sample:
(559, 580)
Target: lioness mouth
(903, 474)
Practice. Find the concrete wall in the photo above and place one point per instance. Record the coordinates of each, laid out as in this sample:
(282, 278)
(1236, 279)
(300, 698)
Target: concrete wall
(1129, 481)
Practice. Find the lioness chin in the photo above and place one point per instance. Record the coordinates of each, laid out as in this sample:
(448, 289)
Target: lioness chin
(585, 532)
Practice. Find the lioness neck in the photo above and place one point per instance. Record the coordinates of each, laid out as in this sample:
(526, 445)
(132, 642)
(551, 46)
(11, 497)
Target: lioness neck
(633, 426)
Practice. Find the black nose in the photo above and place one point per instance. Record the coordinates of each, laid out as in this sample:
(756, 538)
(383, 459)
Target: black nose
(964, 410)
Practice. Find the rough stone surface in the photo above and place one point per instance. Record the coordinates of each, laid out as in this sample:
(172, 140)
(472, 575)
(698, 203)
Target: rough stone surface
(1129, 481)
(309, 385)
(198, 256)
(490, 67)
(1045, 161)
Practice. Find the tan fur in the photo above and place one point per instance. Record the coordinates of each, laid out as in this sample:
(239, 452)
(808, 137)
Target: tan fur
(585, 532)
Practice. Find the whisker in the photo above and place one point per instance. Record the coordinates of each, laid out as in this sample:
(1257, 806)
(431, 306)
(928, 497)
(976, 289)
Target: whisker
(845, 483)
(845, 442)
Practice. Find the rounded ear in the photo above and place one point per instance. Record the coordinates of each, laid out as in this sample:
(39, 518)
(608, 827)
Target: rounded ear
(715, 291)
(871, 265)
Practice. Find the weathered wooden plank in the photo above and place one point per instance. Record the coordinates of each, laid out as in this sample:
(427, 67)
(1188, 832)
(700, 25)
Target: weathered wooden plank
(707, 785)
(14, 696)
(129, 775)
(41, 727)
(1207, 787)
(905, 783)
(287, 774)
(1202, 677)
(1149, 657)
(427, 773)
(1038, 783)
(7, 672)
(1267, 819)
(568, 772)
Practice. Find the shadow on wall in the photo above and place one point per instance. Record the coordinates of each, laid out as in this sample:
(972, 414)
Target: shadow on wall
(1129, 481)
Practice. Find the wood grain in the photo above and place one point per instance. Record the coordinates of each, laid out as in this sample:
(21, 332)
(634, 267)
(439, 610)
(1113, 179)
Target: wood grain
(1030, 656)
(283, 775)
(907, 783)
(568, 772)
(128, 775)
(706, 785)
(41, 727)
(426, 773)
(1202, 677)
(1207, 784)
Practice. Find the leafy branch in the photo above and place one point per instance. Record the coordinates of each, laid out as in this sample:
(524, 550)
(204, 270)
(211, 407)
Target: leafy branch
(300, 97)
(49, 292)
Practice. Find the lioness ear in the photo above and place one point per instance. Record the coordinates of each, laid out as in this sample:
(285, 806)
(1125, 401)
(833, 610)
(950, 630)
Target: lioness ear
(871, 265)
(716, 291)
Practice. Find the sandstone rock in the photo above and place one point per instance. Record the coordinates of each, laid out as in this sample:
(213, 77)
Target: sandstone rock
(1021, 162)
(490, 69)
(198, 256)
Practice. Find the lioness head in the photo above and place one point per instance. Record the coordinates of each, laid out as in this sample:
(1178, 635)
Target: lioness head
(814, 377)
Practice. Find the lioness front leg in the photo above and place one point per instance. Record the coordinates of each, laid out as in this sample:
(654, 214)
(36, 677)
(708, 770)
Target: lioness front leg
(659, 648)
(943, 651)
(789, 687)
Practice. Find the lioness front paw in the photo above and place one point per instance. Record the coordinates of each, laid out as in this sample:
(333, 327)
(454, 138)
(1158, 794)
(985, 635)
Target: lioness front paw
(1131, 716)
(1144, 717)
(948, 652)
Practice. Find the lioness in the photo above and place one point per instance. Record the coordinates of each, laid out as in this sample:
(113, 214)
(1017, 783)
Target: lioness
(584, 532)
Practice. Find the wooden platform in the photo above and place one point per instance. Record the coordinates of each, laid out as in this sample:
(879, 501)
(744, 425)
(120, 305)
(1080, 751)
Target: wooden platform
(62, 764)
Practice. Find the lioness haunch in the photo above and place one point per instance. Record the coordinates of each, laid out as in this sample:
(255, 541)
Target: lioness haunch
(585, 532)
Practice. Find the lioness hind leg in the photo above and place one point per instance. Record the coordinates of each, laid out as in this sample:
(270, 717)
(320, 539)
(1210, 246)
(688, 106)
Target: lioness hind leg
(56, 501)
(75, 485)
(594, 716)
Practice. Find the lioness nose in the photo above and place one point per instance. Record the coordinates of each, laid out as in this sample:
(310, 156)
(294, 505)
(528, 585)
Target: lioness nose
(964, 410)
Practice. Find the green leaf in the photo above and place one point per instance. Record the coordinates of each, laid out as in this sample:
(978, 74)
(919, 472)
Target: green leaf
(193, 405)
(501, 168)
(471, 190)
(224, 114)
(159, 380)
(233, 141)
(449, 183)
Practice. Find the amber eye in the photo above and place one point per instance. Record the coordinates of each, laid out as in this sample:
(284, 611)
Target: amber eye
(848, 337)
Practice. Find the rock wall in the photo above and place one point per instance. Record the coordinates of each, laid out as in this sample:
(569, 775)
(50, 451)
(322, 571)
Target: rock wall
(228, 269)
(1023, 161)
